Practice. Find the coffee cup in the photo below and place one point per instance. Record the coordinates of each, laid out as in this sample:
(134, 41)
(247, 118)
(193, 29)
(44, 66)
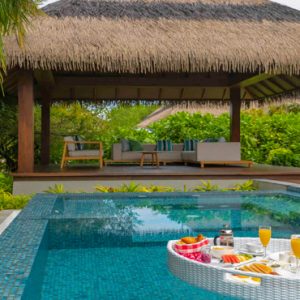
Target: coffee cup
(252, 247)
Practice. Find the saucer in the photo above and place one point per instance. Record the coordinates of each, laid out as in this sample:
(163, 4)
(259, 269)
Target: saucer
(258, 252)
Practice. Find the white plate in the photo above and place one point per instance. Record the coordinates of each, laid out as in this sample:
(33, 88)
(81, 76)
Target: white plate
(256, 253)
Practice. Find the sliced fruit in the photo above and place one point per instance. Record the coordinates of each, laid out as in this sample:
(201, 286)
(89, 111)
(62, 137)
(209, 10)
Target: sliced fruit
(264, 269)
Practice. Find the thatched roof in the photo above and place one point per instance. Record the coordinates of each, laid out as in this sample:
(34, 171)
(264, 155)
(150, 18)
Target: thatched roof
(148, 36)
(214, 108)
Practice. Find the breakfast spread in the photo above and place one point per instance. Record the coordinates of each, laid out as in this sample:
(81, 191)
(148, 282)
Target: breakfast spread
(245, 258)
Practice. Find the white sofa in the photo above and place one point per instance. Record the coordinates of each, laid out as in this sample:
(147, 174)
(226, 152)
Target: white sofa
(215, 153)
(134, 156)
(205, 153)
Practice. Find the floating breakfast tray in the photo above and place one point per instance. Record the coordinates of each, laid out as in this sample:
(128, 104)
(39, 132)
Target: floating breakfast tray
(215, 277)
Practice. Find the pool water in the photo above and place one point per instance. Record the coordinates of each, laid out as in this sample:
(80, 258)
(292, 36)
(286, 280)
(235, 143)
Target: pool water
(115, 248)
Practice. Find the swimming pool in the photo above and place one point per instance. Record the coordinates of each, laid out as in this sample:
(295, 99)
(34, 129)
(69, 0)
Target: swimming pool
(110, 246)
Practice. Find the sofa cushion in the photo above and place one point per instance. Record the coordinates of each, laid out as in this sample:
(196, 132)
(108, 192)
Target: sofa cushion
(84, 153)
(78, 146)
(172, 156)
(135, 146)
(125, 145)
(133, 156)
(70, 146)
(189, 156)
(149, 147)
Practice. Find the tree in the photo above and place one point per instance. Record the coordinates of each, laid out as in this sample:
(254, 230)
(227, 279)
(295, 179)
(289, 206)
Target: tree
(15, 16)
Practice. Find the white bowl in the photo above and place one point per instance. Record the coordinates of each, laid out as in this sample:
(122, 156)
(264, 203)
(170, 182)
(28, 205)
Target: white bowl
(219, 251)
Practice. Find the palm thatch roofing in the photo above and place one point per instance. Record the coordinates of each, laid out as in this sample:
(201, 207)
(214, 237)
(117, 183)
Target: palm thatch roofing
(150, 36)
(214, 108)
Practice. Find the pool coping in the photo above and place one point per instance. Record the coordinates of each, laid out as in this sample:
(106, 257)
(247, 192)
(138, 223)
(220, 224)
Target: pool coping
(21, 241)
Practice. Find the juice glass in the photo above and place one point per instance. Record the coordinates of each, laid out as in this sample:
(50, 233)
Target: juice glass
(295, 245)
(265, 233)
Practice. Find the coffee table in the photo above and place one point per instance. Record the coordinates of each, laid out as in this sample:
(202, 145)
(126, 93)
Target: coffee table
(154, 158)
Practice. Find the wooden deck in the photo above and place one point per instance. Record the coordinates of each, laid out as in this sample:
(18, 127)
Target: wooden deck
(121, 172)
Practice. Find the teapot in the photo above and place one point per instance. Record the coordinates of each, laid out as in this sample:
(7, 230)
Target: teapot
(225, 237)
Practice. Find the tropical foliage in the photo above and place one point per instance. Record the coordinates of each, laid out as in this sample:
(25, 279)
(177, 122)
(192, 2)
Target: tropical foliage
(204, 186)
(272, 137)
(7, 199)
(14, 18)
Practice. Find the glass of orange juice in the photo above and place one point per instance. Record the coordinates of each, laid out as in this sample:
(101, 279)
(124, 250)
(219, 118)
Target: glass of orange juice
(295, 245)
(265, 233)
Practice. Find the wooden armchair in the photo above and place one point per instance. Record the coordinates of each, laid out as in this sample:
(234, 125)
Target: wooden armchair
(71, 152)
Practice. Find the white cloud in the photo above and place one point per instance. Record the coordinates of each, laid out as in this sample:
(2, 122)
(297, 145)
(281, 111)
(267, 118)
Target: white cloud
(291, 3)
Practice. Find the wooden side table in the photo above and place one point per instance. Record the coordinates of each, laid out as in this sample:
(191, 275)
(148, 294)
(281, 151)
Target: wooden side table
(154, 158)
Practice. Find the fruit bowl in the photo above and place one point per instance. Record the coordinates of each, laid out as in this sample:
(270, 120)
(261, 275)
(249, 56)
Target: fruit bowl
(190, 248)
(219, 251)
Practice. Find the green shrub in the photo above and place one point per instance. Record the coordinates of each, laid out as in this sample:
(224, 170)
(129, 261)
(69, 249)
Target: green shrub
(56, 189)
(281, 157)
(6, 183)
(206, 186)
(9, 201)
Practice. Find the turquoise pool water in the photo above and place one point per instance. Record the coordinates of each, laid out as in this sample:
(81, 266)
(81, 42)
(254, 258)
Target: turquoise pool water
(114, 247)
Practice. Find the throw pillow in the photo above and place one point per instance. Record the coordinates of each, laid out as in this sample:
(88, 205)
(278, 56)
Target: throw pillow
(164, 145)
(135, 145)
(125, 146)
(211, 140)
(190, 145)
(78, 146)
(194, 144)
(160, 145)
(168, 145)
(187, 146)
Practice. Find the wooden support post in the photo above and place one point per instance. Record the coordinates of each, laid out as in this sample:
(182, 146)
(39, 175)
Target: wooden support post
(235, 114)
(25, 123)
(45, 122)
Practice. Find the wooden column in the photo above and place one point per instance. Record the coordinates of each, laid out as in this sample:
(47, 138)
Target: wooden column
(235, 114)
(25, 123)
(45, 125)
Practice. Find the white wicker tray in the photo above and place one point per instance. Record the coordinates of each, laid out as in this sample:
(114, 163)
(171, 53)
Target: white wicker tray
(214, 278)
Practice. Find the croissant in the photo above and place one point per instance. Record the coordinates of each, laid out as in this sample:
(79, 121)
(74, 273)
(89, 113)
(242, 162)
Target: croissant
(189, 240)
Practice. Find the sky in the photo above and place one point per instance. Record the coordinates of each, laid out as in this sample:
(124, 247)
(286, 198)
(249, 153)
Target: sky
(291, 3)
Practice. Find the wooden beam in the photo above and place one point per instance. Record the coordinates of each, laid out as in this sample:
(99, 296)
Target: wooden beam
(250, 93)
(203, 93)
(235, 114)
(253, 80)
(25, 123)
(181, 93)
(256, 92)
(266, 86)
(278, 84)
(45, 124)
(191, 80)
(44, 78)
(223, 95)
(159, 93)
(257, 87)
(286, 79)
